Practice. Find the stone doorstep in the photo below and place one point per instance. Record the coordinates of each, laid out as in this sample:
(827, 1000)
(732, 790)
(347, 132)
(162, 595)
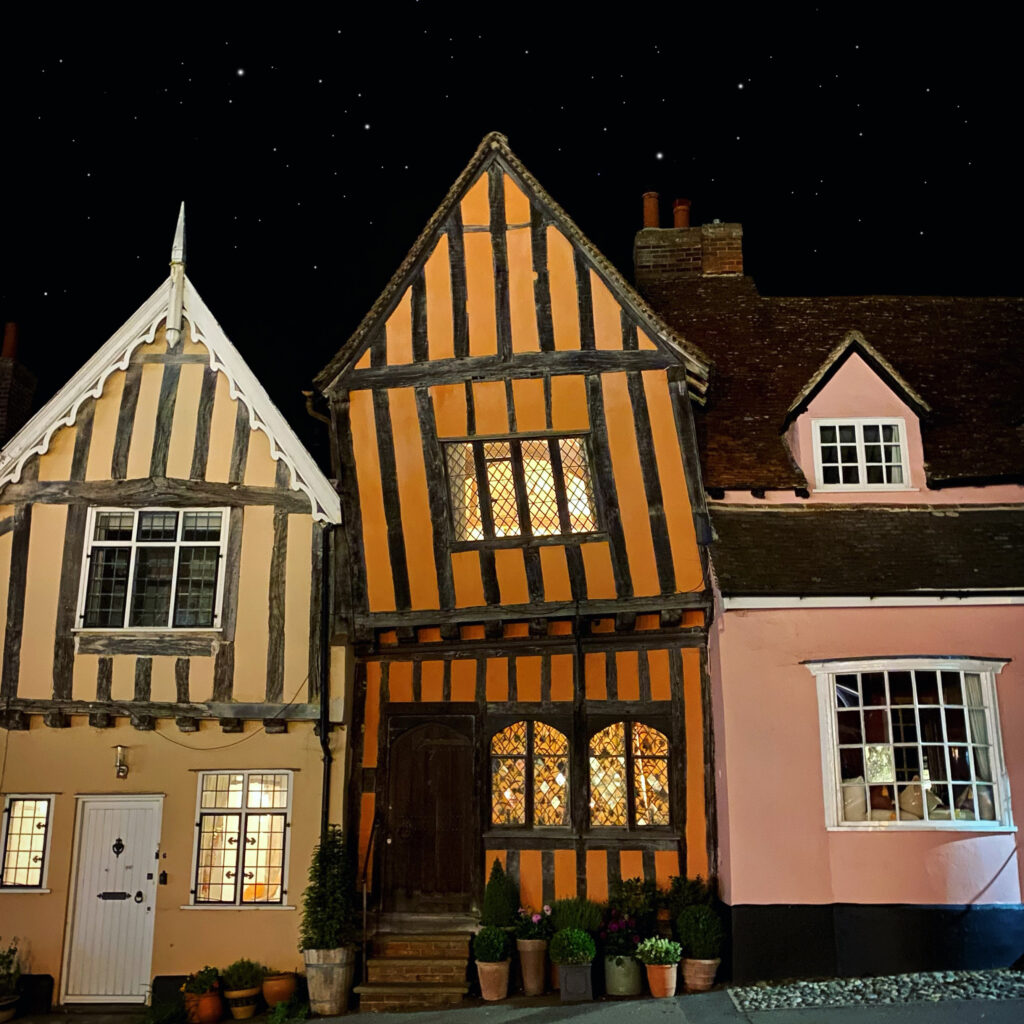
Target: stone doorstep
(428, 945)
(436, 969)
(408, 996)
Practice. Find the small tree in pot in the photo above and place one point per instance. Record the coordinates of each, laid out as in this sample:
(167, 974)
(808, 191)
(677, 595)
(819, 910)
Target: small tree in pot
(662, 958)
(330, 925)
(242, 981)
(491, 948)
(533, 929)
(700, 935)
(573, 950)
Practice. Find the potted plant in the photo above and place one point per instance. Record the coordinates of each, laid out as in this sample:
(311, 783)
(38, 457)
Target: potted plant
(619, 938)
(10, 971)
(241, 982)
(574, 912)
(329, 925)
(533, 928)
(203, 1004)
(573, 950)
(700, 935)
(491, 952)
(500, 899)
(278, 986)
(661, 957)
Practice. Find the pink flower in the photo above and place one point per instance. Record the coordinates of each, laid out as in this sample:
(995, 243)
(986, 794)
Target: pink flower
(546, 909)
(536, 918)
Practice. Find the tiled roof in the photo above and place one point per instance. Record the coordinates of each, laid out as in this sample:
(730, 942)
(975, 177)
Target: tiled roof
(814, 550)
(963, 356)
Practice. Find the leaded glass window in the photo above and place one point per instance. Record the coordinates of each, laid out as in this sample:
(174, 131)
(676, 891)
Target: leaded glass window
(520, 487)
(248, 812)
(629, 786)
(529, 775)
(153, 569)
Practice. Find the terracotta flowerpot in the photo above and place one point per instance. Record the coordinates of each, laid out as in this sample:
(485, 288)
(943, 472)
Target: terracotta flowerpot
(577, 984)
(622, 976)
(8, 1006)
(242, 1002)
(278, 988)
(532, 954)
(662, 980)
(493, 979)
(209, 1008)
(699, 975)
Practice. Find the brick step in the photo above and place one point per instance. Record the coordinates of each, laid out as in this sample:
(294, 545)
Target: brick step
(427, 946)
(375, 998)
(442, 970)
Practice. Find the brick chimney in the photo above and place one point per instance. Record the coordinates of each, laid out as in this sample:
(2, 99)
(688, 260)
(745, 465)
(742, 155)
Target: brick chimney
(17, 386)
(662, 256)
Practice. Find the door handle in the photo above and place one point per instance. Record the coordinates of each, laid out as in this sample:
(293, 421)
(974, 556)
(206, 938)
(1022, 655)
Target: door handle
(114, 896)
(139, 897)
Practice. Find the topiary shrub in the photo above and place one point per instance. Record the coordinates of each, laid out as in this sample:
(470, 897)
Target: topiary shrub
(572, 946)
(491, 945)
(576, 912)
(330, 917)
(700, 932)
(241, 974)
(501, 901)
(687, 892)
(659, 951)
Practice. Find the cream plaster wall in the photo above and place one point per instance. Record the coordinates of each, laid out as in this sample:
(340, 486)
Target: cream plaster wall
(774, 844)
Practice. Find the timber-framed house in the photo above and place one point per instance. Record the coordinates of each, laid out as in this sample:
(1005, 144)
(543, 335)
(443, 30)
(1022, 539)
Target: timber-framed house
(162, 543)
(525, 582)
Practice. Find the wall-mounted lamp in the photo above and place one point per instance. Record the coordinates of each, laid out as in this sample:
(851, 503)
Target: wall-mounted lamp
(121, 763)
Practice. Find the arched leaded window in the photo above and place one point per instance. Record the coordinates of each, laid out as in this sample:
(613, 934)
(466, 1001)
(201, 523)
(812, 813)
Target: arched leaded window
(529, 775)
(629, 776)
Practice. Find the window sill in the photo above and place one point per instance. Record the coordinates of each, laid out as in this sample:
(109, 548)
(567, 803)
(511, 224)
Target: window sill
(960, 828)
(862, 489)
(237, 906)
(182, 642)
(528, 542)
(12, 890)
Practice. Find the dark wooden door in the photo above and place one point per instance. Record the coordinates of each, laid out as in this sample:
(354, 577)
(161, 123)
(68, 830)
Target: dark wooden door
(430, 835)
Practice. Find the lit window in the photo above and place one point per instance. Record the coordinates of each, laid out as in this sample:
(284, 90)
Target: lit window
(912, 743)
(26, 841)
(530, 775)
(520, 487)
(241, 849)
(860, 454)
(629, 776)
(153, 569)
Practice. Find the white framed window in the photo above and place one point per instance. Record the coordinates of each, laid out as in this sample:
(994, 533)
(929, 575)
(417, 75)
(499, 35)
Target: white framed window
(912, 743)
(25, 842)
(860, 454)
(243, 819)
(153, 568)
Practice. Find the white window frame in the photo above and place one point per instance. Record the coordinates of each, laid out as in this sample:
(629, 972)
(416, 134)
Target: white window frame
(859, 423)
(133, 545)
(243, 812)
(8, 799)
(825, 673)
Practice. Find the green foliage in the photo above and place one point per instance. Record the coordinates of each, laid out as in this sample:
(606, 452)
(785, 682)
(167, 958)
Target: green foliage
(659, 951)
(635, 899)
(330, 917)
(242, 974)
(202, 981)
(491, 945)
(700, 932)
(165, 1013)
(10, 970)
(534, 924)
(586, 915)
(572, 946)
(501, 901)
(295, 1009)
(688, 892)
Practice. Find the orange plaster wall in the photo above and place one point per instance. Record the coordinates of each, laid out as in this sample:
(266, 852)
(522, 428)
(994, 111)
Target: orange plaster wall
(463, 680)
(528, 678)
(555, 573)
(475, 205)
(497, 679)
(569, 410)
(627, 675)
(531, 879)
(565, 874)
(432, 681)
(469, 583)
(562, 683)
(522, 306)
(400, 682)
(517, 205)
(186, 413)
(510, 568)
(398, 331)
(483, 328)
(222, 433)
(490, 406)
(528, 399)
(104, 428)
(42, 585)
(56, 463)
(437, 276)
(607, 318)
(449, 409)
(597, 567)
(594, 677)
(631, 864)
(661, 683)
(371, 720)
(251, 636)
(140, 451)
(562, 276)
(597, 875)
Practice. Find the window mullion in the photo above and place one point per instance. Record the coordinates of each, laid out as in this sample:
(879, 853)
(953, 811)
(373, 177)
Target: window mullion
(558, 476)
(528, 774)
(519, 482)
(174, 571)
(130, 583)
(630, 781)
(483, 490)
(862, 456)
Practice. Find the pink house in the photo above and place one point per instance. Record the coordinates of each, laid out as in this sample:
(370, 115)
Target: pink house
(863, 463)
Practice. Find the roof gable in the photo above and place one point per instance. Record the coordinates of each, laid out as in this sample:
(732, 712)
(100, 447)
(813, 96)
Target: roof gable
(141, 328)
(494, 196)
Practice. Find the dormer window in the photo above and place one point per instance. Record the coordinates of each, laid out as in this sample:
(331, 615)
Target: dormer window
(860, 454)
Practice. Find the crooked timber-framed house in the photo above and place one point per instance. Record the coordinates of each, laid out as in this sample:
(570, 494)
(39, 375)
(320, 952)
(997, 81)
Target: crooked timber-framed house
(526, 587)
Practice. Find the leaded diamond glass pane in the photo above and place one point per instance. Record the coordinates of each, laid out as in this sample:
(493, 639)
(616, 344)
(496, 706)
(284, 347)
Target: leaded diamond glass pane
(151, 595)
(508, 790)
(510, 741)
(156, 526)
(196, 594)
(650, 775)
(550, 776)
(463, 490)
(577, 485)
(608, 804)
(201, 526)
(217, 859)
(263, 863)
(502, 488)
(107, 588)
(26, 843)
(540, 489)
(114, 526)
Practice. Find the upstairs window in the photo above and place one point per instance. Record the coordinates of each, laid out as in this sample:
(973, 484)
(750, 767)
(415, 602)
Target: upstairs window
(530, 775)
(153, 569)
(860, 454)
(520, 487)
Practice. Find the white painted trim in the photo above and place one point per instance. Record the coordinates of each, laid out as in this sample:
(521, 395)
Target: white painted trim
(907, 662)
(858, 423)
(262, 907)
(51, 798)
(862, 601)
(62, 410)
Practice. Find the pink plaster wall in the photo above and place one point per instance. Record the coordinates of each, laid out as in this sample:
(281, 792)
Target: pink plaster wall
(857, 391)
(774, 847)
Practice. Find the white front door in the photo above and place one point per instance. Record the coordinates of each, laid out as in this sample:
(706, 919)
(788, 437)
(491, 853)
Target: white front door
(110, 937)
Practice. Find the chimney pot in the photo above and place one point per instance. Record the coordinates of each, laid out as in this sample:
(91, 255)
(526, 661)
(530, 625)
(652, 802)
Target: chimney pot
(681, 213)
(652, 218)
(10, 348)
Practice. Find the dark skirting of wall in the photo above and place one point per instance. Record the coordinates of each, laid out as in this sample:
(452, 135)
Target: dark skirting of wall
(851, 940)
(35, 994)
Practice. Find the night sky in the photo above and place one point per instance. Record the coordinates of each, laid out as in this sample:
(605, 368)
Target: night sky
(862, 153)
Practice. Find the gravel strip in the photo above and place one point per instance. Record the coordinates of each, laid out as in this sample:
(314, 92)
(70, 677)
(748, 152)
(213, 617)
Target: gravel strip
(933, 987)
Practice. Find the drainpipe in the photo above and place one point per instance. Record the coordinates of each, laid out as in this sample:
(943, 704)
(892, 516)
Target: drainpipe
(325, 682)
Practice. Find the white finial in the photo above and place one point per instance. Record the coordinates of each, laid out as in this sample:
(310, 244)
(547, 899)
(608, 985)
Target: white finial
(177, 296)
